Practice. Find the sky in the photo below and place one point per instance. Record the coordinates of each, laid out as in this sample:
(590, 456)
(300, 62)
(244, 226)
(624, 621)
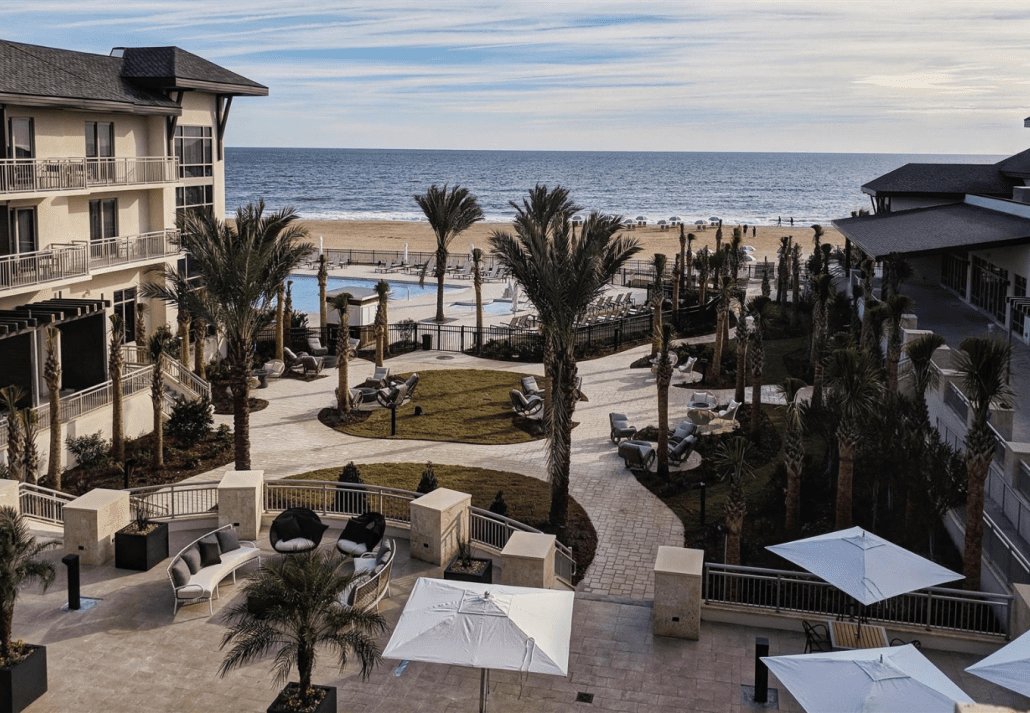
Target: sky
(905, 76)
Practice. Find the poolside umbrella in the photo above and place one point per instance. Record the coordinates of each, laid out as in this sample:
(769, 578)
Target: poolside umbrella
(701, 222)
(405, 253)
(867, 567)
(485, 626)
(1008, 666)
(514, 298)
(319, 245)
(891, 679)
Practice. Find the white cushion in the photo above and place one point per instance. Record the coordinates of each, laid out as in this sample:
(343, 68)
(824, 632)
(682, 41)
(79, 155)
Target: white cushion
(297, 544)
(364, 564)
(351, 548)
(190, 591)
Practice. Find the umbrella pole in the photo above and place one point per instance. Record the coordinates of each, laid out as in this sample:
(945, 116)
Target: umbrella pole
(484, 688)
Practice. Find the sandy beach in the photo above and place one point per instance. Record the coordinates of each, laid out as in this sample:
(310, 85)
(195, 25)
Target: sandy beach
(392, 234)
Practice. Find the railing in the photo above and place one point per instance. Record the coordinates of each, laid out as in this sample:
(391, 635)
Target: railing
(41, 503)
(1005, 556)
(93, 398)
(72, 174)
(132, 248)
(173, 369)
(934, 608)
(958, 402)
(27, 269)
(494, 530)
(178, 499)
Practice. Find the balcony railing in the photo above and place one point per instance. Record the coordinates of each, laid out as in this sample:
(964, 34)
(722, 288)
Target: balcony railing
(58, 263)
(132, 248)
(76, 174)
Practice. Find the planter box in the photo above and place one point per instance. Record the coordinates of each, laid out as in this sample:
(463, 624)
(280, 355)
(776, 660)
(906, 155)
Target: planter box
(24, 682)
(328, 704)
(485, 577)
(141, 552)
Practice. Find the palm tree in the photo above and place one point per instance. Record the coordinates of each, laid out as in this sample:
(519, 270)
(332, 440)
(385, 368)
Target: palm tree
(703, 264)
(657, 300)
(20, 564)
(822, 288)
(10, 396)
(718, 238)
(30, 454)
(52, 374)
(898, 305)
(178, 291)
(743, 337)
(734, 456)
(114, 367)
(382, 325)
(734, 251)
(199, 339)
(561, 276)
(280, 309)
(793, 451)
(795, 277)
(340, 303)
(983, 365)
(449, 214)
(724, 294)
(323, 282)
(817, 253)
(783, 271)
(683, 261)
(690, 256)
(301, 614)
(156, 346)
(663, 378)
(677, 278)
(477, 282)
(877, 317)
(140, 328)
(920, 353)
(856, 390)
(242, 267)
(868, 269)
(757, 308)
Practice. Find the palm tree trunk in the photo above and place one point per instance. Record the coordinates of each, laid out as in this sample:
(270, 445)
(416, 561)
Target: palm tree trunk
(817, 381)
(559, 456)
(664, 378)
(117, 427)
(279, 314)
(734, 526)
(305, 662)
(793, 461)
(343, 361)
(156, 396)
(479, 311)
(6, 628)
(979, 451)
(441, 271)
(199, 340)
(757, 367)
(184, 340)
(845, 476)
(715, 368)
(893, 359)
(738, 396)
(241, 418)
(52, 374)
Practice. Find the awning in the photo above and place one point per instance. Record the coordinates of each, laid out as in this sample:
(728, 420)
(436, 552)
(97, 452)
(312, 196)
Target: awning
(934, 230)
(37, 315)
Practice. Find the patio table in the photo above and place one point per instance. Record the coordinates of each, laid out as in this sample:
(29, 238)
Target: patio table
(846, 635)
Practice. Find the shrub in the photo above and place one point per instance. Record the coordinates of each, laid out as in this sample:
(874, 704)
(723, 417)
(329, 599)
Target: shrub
(91, 452)
(498, 506)
(428, 482)
(350, 474)
(224, 435)
(191, 420)
(5, 472)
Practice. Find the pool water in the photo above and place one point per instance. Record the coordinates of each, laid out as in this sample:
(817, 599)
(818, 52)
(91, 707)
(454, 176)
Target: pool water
(305, 289)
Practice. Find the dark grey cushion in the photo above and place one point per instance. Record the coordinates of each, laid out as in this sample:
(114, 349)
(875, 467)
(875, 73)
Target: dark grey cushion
(347, 595)
(192, 559)
(180, 574)
(384, 552)
(227, 540)
(287, 528)
(209, 552)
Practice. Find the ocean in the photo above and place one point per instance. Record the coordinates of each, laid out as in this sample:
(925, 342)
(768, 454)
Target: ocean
(379, 184)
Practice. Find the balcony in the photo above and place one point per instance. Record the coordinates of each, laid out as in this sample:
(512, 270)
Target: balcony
(114, 252)
(27, 270)
(66, 175)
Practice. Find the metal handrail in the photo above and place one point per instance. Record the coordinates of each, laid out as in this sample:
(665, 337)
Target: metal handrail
(125, 249)
(41, 503)
(34, 268)
(179, 499)
(493, 530)
(35, 175)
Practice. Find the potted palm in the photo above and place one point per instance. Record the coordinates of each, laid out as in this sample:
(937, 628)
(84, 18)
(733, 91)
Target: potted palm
(142, 543)
(467, 568)
(23, 666)
(300, 613)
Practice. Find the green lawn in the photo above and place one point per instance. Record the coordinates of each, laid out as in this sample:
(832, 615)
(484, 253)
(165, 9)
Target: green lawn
(460, 405)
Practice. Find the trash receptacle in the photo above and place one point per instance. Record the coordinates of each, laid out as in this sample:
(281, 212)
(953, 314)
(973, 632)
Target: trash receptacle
(427, 341)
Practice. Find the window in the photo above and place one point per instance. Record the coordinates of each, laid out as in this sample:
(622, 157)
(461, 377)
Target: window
(989, 285)
(953, 272)
(22, 230)
(125, 307)
(103, 218)
(22, 138)
(99, 139)
(194, 198)
(1018, 316)
(193, 149)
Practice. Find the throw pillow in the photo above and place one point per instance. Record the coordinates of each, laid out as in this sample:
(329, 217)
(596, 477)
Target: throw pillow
(228, 540)
(384, 552)
(353, 531)
(364, 564)
(287, 528)
(180, 574)
(192, 559)
(297, 544)
(209, 553)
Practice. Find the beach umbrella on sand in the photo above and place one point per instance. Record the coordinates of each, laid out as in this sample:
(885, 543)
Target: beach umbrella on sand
(713, 219)
(887, 680)
(1008, 666)
(702, 222)
(485, 626)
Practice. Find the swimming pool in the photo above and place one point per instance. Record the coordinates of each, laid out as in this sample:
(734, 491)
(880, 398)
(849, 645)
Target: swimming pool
(490, 307)
(305, 289)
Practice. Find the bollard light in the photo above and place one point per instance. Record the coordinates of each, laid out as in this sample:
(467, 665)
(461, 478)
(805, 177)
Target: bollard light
(72, 563)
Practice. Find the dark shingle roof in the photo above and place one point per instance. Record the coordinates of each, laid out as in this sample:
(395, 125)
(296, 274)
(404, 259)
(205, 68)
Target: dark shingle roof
(941, 178)
(167, 66)
(135, 82)
(1018, 164)
(935, 229)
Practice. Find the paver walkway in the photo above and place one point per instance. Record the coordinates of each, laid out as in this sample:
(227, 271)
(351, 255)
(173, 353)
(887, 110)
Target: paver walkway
(631, 523)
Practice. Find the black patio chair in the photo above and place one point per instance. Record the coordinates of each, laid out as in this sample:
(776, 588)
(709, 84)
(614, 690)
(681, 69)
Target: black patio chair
(296, 530)
(637, 455)
(362, 534)
(901, 642)
(817, 637)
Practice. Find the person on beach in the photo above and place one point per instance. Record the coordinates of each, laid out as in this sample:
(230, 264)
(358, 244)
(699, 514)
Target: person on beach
(754, 231)
(792, 221)
(779, 220)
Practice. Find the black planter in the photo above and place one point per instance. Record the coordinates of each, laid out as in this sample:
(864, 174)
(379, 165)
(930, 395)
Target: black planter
(485, 577)
(24, 682)
(328, 704)
(141, 552)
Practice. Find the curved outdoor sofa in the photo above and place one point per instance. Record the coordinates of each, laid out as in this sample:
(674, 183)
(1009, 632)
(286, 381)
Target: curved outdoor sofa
(196, 571)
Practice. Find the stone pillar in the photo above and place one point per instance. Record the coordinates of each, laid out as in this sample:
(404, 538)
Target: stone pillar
(528, 560)
(1020, 610)
(438, 520)
(677, 592)
(9, 495)
(90, 522)
(241, 501)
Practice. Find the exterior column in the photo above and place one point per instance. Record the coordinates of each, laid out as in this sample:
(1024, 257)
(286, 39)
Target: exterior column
(90, 522)
(10, 495)
(241, 501)
(527, 560)
(677, 592)
(438, 521)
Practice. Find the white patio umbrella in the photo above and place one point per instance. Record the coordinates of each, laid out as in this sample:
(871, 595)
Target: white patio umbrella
(867, 567)
(485, 626)
(514, 298)
(320, 246)
(701, 221)
(1008, 666)
(891, 679)
(405, 253)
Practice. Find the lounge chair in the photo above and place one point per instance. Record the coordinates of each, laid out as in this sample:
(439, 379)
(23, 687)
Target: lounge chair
(530, 387)
(275, 368)
(315, 347)
(620, 427)
(392, 396)
(817, 637)
(679, 452)
(523, 406)
(296, 530)
(637, 455)
(303, 362)
(361, 534)
(726, 416)
(687, 367)
(381, 374)
(685, 431)
(363, 399)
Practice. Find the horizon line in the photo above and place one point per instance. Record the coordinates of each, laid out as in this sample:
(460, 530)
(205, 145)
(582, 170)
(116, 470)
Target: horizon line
(627, 151)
